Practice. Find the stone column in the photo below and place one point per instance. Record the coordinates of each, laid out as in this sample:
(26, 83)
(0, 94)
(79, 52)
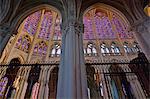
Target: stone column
(5, 34)
(142, 35)
(72, 83)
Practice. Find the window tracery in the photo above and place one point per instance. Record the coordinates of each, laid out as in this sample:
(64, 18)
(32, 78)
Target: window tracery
(103, 26)
(88, 31)
(40, 48)
(45, 28)
(31, 23)
(23, 43)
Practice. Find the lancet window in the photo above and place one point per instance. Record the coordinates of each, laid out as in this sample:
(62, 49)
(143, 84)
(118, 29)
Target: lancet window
(91, 50)
(31, 23)
(56, 50)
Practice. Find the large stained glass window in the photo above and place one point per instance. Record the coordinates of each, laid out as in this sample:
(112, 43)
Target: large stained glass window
(105, 25)
(88, 29)
(38, 30)
(31, 23)
(45, 28)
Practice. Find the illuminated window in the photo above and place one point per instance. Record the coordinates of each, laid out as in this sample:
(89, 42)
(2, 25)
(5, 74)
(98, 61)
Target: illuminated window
(57, 32)
(3, 84)
(104, 49)
(45, 29)
(88, 30)
(56, 50)
(126, 48)
(103, 26)
(31, 23)
(91, 50)
(40, 48)
(115, 49)
(23, 43)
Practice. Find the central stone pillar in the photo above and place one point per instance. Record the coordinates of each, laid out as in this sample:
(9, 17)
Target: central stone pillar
(142, 34)
(72, 83)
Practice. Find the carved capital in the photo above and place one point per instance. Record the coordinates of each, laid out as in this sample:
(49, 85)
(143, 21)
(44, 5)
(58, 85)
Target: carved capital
(76, 25)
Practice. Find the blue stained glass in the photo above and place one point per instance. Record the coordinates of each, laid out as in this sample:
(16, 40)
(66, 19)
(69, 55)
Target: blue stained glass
(31, 22)
(45, 26)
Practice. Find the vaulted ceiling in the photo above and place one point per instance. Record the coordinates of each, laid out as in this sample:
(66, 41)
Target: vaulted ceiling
(11, 9)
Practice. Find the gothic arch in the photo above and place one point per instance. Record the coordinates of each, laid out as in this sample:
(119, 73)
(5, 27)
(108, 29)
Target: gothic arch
(53, 79)
(24, 14)
(113, 4)
(19, 56)
(110, 8)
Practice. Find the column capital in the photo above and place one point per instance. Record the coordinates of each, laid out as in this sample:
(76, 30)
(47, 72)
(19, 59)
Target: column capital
(78, 26)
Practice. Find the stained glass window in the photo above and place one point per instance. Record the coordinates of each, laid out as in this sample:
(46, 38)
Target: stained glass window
(103, 26)
(57, 32)
(106, 26)
(120, 27)
(40, 48)
(23, 43)
(88, 29)
(115, 49)
(31, 23)
(45, 28)
(3, 84)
